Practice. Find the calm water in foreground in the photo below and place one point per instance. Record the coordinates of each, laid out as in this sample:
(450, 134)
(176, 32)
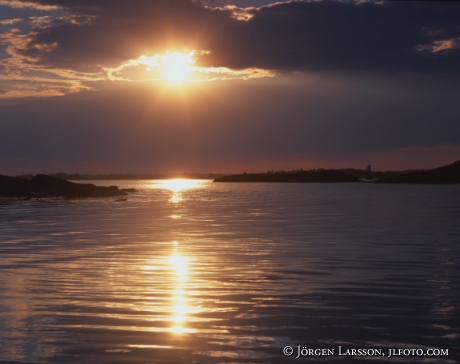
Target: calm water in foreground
(200, 272)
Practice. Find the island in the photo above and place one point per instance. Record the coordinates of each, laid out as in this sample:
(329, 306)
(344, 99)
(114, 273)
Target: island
(449, 174)
(41, 186)
(318, 175)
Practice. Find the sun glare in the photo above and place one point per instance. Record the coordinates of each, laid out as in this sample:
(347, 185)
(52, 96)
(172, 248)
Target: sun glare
(172, 67)
(179, 184)
(177, 67)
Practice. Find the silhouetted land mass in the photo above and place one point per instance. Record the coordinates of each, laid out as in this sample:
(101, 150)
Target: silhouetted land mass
(449, 174)
(127, 176)
(363, 173)
(319, 175)
(48, 186)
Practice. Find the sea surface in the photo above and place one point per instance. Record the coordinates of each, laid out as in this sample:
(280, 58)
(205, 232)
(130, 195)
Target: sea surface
(201, 272)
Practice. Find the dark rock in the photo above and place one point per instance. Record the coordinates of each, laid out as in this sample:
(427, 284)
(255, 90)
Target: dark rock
(47, 186)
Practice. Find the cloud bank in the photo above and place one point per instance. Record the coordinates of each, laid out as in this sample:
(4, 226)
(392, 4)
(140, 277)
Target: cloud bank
(304, 36)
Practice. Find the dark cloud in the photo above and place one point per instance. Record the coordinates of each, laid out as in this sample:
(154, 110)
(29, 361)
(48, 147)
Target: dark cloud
(344, 36)
(303, 36)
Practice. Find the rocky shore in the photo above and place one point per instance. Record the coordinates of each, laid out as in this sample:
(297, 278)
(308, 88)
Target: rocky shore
(41, 186)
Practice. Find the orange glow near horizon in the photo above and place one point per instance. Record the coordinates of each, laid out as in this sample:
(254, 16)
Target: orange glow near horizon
(179, 184)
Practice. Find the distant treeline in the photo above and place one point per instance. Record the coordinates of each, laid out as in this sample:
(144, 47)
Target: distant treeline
(125, 176)
(363, 173)
(357, 173)
(317, 175)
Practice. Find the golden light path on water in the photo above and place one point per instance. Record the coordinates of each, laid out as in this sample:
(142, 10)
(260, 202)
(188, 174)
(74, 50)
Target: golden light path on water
(178, 262)
(180, 308)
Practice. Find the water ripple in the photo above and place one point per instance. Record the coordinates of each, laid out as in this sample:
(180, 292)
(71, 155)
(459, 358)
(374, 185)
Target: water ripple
(230, 273)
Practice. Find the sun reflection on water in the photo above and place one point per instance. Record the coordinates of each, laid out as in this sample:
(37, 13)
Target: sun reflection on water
(180, 265)
(177, 186)
(179, 305)
(179, 300)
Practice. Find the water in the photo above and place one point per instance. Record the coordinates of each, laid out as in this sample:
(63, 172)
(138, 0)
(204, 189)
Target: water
(201, 272)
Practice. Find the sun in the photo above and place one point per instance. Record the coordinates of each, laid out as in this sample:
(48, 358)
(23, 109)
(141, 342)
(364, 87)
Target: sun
(177, 67)
(172, 67)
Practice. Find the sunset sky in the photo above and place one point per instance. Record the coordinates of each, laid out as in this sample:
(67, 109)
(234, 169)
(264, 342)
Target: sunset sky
(227, 86)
